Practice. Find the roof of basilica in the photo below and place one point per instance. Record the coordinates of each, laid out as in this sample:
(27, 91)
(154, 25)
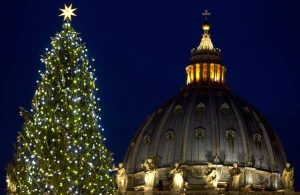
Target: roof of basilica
(206, 122)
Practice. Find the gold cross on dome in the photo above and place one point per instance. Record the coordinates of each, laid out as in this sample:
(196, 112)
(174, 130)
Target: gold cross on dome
(68, 12)
(206, 14)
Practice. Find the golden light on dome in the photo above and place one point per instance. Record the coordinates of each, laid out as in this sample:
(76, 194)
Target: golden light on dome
(212, 72)
(206, 61)
(197, 72)
(206, 43)
(206, 27)
(202, 72)
(68, 12)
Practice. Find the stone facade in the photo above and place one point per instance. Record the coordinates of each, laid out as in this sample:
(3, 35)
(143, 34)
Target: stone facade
(221, 142)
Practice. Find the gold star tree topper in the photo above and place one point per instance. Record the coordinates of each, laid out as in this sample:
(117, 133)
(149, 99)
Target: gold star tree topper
(68, 12)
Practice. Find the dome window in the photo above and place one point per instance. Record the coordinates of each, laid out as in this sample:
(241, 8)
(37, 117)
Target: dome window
(202, 93)
(225, 107)
(201, 107)
(230, 134)
(247, 109)
(257, 138)
(170, 134)
(147, 139)
(199, 132)
(178, 109)
(159, 111)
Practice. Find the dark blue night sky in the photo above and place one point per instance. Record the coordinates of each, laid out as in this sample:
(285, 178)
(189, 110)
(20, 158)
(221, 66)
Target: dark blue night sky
(141, 50)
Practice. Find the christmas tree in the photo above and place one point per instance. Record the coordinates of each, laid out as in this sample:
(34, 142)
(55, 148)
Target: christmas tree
(60, 149)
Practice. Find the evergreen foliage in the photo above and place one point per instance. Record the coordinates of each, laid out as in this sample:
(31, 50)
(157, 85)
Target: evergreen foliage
(60, 149)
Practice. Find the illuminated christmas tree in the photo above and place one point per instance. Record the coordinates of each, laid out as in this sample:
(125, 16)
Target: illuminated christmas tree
(60, 149)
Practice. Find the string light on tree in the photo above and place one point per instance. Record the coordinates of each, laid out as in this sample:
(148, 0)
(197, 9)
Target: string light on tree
(60, 149)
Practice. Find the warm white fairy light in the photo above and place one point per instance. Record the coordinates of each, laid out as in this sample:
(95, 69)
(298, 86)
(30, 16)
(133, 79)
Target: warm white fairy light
(61, 150)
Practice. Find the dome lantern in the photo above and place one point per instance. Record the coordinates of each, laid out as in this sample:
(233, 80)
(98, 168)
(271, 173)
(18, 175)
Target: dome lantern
(206, 43)
(206, 61)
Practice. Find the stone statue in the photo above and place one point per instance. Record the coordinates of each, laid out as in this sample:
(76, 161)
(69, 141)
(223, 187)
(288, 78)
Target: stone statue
(184, 188)
(235, 173)
(121, 177)
(211, 176)
(150, 172)
(288, 177)
(11, 187)
(177, 174)
(11, 179)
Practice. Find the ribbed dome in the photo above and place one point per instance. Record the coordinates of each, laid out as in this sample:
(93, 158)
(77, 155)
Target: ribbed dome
(206, 124)
(206, 127)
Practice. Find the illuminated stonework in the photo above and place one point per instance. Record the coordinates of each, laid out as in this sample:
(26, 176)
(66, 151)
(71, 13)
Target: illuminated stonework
(121, 177)
(206, 64)
(177, 177)
(250, 179)
(206, 139)
(201, 73)
(149, 174)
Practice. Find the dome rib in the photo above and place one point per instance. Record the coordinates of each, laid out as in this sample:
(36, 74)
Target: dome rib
(131, 154)
(214, 126)
(160, 131)
(241, 128)
(187, 127)
(267, 141)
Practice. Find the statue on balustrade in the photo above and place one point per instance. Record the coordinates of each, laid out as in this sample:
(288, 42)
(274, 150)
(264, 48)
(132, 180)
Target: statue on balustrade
(150, 172)
(211, 176)
(121, 177)
(235, 173)
(288, 177)
(177, 174)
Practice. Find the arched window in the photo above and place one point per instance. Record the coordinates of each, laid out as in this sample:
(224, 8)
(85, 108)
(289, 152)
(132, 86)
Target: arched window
(230, 134)
(247, 109)
(159, 111)
(257, 137)
(201, 107)
(178, 109)
(186, 94)
(199, 132)
(225, 108)
(147, 139)
(170, 134)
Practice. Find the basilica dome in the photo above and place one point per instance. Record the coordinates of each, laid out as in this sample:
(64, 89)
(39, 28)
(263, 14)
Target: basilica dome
(206, 123)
